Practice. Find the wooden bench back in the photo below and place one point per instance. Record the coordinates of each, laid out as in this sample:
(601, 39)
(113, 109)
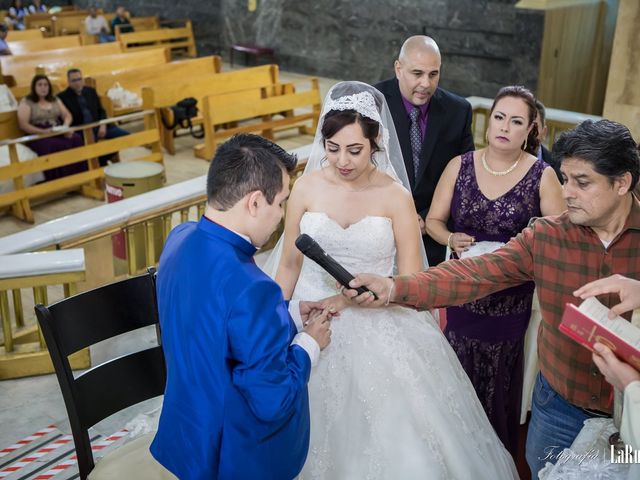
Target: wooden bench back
(89, 182)
(38, 45)
(175, 38)
(142, 23)
(44, 20)
(152, 76)
(166, 95)
(23, 90)
(98, 65)
(54, 62)
(68, 24)
(138, 23)
(9, 125)
(261, 110)
(135, 78)
(39, 21)
(20, 35)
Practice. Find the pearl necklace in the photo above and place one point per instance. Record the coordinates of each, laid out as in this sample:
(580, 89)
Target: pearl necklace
(502, 173)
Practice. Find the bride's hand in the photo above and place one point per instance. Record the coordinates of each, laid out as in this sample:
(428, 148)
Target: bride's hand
(335, 304)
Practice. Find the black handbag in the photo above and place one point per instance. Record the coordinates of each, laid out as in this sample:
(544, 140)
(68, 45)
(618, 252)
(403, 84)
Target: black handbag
(180, 115)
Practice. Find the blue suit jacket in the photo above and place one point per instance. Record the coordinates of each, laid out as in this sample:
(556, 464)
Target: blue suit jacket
(236, 403)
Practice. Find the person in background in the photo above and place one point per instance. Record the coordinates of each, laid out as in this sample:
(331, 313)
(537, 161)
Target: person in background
(236, 404)
(618, 373)
(17, 12)
(487, 197)
(4, 46)
(598, 234)
(97, 25)
(85, 107)
(433, 125)
(543, 152)
(121, 18)
(37, 7)
(41, 112)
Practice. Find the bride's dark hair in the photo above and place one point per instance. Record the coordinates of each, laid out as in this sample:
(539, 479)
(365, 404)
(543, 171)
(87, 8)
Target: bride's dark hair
(336, 120)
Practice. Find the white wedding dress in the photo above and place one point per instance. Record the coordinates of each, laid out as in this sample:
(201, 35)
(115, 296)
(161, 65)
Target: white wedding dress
(389, 399)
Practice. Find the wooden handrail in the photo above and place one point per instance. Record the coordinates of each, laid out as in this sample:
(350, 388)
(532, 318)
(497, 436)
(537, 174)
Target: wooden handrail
(106, 121)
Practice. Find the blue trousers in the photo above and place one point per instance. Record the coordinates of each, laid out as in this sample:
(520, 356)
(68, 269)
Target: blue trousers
(106, 38)
(554, 425)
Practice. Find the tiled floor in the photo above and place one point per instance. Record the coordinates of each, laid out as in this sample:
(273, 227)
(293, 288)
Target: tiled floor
(30, 404)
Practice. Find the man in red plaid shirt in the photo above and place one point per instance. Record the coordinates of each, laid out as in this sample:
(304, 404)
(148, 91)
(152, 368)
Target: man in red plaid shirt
(597, 236)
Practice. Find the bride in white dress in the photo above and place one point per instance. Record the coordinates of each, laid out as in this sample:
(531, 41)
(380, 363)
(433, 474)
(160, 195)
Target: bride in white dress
(389, 399)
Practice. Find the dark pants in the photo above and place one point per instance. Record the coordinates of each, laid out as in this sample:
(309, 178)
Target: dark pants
(113, 131)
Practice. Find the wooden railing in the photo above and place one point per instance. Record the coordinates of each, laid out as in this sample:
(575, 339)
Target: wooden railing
(89, 181)
(167, 206)
(22, 348)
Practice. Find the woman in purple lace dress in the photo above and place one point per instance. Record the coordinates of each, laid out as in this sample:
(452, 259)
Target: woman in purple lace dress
(489, 196)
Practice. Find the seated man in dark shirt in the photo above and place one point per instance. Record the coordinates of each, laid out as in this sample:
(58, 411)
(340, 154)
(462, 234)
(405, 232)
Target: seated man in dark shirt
(84, 104)
(121, 19)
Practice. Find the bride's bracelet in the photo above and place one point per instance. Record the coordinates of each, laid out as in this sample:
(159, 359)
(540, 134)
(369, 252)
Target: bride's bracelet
(386, 304)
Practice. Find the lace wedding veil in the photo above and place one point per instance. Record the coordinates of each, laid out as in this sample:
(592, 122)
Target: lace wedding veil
(370, 103)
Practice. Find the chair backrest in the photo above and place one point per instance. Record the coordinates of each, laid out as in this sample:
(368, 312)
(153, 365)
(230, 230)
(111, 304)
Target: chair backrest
(88, 318)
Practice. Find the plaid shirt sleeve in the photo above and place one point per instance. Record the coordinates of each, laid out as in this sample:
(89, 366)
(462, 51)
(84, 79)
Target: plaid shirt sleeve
(461, 281)
(560, 257)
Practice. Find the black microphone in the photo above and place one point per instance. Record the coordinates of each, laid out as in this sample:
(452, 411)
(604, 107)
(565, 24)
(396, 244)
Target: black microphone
(310, 248)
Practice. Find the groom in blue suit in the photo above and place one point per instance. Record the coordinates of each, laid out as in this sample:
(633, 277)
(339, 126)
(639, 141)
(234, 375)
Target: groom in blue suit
(235, 405)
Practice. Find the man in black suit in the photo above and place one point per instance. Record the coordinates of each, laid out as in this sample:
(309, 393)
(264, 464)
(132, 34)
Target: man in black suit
(543, 152)
(433, 125)
(85, 107)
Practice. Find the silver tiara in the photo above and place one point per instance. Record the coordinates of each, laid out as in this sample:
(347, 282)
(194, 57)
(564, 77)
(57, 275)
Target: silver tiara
(361, 102)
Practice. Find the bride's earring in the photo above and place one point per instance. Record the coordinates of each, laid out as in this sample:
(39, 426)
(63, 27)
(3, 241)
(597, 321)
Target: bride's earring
(486, 136)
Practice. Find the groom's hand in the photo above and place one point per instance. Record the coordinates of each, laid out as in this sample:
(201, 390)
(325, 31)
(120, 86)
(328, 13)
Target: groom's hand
(306, 307)
(318, 326)
(381, 286)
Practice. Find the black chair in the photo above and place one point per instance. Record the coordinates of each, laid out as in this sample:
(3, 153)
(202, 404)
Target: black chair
(88, 318)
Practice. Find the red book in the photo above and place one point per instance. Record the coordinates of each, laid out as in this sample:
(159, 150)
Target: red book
(589, 323)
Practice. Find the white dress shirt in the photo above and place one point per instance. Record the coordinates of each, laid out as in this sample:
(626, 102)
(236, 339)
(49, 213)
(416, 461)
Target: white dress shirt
(94, 26)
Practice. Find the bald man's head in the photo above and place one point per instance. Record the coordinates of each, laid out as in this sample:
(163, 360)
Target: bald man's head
(418, 69)
(418, 43)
